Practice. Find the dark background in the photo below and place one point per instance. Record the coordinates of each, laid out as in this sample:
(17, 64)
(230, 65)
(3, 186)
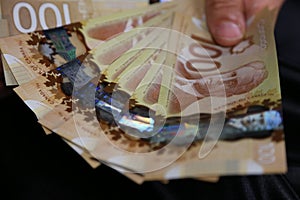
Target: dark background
(35, 166)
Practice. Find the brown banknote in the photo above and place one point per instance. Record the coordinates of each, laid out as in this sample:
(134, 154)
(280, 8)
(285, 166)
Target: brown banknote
(48, 92)
(30, 54)
(81, 10)
(40, 107)
(29, 16)
(251, 140)
(45, 91)
(243, 162)
(100, 8)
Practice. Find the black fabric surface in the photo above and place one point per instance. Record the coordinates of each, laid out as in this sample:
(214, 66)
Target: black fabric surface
(35, 166)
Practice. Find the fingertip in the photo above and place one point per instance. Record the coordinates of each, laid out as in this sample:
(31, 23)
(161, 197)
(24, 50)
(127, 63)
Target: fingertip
(226, 21)
(227, 33)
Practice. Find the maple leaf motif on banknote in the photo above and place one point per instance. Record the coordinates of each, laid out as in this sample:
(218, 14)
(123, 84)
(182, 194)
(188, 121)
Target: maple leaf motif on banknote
(116, 135)
(41, 50)
(89, 115)
(54, 81)
(268, 99)
(274, 104)
(46, 50)
(67, 101)
(277, 136)
(45, 61)
(52, 78)
(35, 39)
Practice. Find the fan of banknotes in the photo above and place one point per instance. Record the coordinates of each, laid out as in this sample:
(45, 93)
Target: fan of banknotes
(148, 92)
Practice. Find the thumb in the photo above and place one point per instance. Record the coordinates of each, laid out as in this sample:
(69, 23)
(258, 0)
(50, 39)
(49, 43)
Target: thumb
(225, 20)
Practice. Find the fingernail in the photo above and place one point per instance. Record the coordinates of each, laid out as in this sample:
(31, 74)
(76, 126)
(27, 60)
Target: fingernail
(228, 31)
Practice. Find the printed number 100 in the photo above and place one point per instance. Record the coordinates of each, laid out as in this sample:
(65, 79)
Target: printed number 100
(41, 16)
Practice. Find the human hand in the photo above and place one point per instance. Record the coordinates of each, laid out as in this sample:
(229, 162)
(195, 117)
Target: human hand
(226, 19)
